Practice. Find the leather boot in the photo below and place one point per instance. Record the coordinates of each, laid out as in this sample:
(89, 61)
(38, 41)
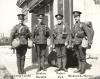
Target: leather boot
(22, 64)
(43, 63)
(59, 64)
(79, 67)
(64, 64)
(39, 65)
(83, 67)
(19, 65)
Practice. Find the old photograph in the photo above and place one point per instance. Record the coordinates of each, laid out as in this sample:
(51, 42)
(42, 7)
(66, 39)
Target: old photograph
(49, 39)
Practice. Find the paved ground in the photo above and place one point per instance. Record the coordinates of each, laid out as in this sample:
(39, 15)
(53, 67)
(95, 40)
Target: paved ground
(8, 59)
(4, 74)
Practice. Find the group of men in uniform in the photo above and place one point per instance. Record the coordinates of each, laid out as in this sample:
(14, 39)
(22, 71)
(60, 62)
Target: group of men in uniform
(61, 41)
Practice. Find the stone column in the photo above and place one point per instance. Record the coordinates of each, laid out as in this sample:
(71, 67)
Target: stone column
(55, 10)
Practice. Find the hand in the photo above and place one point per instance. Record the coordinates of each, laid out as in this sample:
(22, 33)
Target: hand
(52, 46)
(66, 44)
(33, 45)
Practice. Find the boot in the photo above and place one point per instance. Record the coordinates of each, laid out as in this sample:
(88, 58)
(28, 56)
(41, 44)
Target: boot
(59, 64)
(83, 61)
(43, 63)
(79, 68)
(39, 65)
(83, 67)
(57, 69)
(19, 65)
(65, 69)
(64, 64)
(39, 69)
(22, 64)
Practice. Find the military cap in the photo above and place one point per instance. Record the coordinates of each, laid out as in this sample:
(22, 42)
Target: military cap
(59, 16)
(76, 13)
(40, 16)
(21, 16)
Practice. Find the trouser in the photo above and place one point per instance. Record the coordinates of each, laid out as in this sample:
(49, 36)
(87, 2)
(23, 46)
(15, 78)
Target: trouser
(61, 55)
(41, 53)
(79, 52)
(81, 58)
(20, 53)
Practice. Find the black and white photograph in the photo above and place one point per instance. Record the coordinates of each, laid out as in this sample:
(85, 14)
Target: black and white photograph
(49, 39)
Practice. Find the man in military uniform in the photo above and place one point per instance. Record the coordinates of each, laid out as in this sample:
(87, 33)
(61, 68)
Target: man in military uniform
(21, 32)
(79, 32)
(40, 34)
(60, 33)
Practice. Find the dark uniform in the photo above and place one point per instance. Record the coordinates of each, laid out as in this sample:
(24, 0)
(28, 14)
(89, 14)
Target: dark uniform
(59, 35)
(22, 32)
(40, 34)
(79, 32)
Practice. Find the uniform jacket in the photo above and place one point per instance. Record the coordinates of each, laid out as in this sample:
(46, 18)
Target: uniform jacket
(40, 34)
(60, 33)
(20, 31)
(79, 32)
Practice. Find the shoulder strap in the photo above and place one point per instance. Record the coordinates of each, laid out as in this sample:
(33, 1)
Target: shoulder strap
(20, 28)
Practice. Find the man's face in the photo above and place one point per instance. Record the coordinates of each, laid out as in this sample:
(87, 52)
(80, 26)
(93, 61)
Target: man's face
(21, 21)
(59, 21)
(77, 18)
